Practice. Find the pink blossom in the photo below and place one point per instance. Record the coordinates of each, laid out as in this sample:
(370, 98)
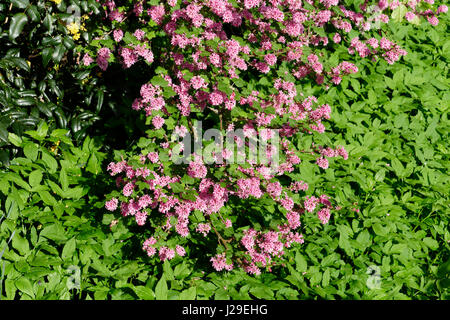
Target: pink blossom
(322, 162)
(197, 169)
(198, 82)
(271, 59)
(180, 250)
(203, 228)
(111, 205)
(274, 189)
(128, 189)
(103, 57)
(337, 38)
(249, 4)
(442, 9)
(166, 253)
(118, 35)
(310, 203)
(158, 122)
(216, 98)
(219, 263)
(433, 20)
(410, 16)
(139, 34)
(324, 215)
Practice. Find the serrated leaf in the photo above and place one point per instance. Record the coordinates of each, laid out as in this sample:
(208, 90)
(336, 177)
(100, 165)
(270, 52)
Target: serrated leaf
(161, 289)
(24, 285)
(93, 165)
(54, 232)
(144, 293)
(50, 162)
(20, 244)
(300, 261)
(431, 243)
(189, 294)
(47, 198)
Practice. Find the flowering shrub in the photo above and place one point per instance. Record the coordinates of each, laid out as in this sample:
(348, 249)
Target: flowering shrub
(234, 64)
(59, 241)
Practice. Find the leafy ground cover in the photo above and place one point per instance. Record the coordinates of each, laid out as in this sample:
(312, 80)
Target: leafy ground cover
(390, 240)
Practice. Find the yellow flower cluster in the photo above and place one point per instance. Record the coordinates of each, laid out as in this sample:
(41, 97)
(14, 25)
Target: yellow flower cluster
(56, 1)
(74, 28)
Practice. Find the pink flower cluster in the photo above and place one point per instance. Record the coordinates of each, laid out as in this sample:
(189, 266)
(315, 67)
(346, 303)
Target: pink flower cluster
(204, 74)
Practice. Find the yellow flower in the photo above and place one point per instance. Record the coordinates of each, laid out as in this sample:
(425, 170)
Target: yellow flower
(56, 1)
(73, 28)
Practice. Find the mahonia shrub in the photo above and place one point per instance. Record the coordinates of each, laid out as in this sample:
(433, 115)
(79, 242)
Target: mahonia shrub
(231, 64)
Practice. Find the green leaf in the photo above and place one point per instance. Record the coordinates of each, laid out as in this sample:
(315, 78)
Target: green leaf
(176, 187)
(262, 292)
(31, 151)
(50, 162)
(34, 14)
(58, 53)
(21, 4)
(63, 179)
(144, 293)
(326, 278)
(431, 243)
(20, 244)
(15, 139)
(181, 271)
(35, 178)
(161, 289)
(399, 13)
(54, 232)
(24, 285)
(22, 64)
(189, 294)
(93, 165)
(42, 130)
(18, 21)
(168, 272)
(69, 249)
(25, 102)
(159, 81)
(300, 261)
(379, 229)
(48, 22)
(47, 198)
(168, 92)
(46, 55)
(397, 166)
